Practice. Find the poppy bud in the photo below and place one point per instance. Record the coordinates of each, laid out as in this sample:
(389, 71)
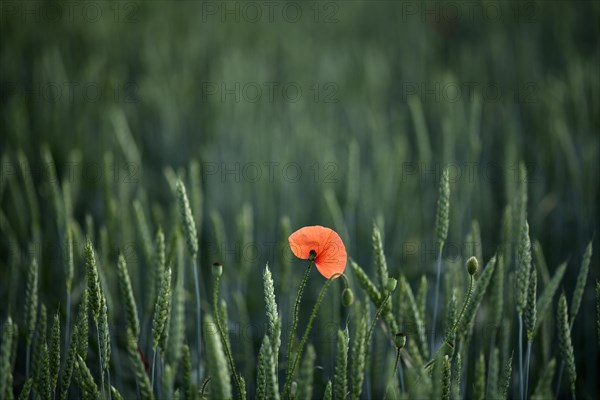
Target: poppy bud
(400, 340)
(472, 265)
(391, 284)
(217, 269)
(347, 297)
(293, 390)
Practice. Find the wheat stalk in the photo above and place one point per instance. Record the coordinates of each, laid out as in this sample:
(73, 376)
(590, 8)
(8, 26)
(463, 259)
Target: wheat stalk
(442, 221)
(340, 378)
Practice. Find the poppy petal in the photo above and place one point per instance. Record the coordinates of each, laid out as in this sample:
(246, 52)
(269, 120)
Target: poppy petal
(308, 238)
(332, 258)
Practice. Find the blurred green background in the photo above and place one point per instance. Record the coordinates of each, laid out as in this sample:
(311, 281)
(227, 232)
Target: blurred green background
(332, 113)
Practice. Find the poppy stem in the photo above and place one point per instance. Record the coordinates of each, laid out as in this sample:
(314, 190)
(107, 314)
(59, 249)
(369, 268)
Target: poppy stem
(223, 338)
(295, 318)
(379, 310)
(466, 303)
(290, 375)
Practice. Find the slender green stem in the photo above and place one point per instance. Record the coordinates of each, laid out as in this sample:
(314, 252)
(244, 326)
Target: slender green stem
(290, 375)
(198, 319)
(108, 381)
(379, 310)
(527, 360)
(153, 369)
(295, 318)
(398, 367)
(521, 355)
(223, 338)
(559, 381)
(437, 297)
(466, 303)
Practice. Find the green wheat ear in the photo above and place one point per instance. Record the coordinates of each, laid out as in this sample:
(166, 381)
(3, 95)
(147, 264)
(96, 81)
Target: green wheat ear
(580, 284)
(54, 355)
(274, 323)
(493, 371)
(138, 367)
(264, 366)
(544, 302)
(161, 311)
(5, 358)
(497, 291)
(306, 374)
(327, 395)
(31, 301)
(93, 282)
(128, 297)
(506, 234)
(267, 387)
(104, 332)
(422, 296)
(24, 395)
(523, 267)
(456, 373)
(116, 395)
(177, 322)
(564, 337)
(413, 313)
(167, 381)
(196, 195)
(220, 382)
(340, 380)
(160, 263)
(43, 370)
(189, 226)
(40, 344)
(359, 349)
(12, 360)
(143, 230)
(366, 283)
(446, 378)
(506, 378)
(442, 215)
(69, 365)
(520, 208)
(86, 380)
(381, 268)
(479, 386)
(531, 309)
(82, 326)
(189, 389)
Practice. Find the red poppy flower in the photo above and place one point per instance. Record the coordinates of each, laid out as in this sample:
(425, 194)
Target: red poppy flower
(330, 252)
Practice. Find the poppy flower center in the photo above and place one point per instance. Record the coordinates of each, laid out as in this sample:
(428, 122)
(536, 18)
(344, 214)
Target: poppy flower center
(312, 255)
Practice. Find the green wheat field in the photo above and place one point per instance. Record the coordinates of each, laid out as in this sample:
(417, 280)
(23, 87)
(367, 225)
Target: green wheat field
(155, 158)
